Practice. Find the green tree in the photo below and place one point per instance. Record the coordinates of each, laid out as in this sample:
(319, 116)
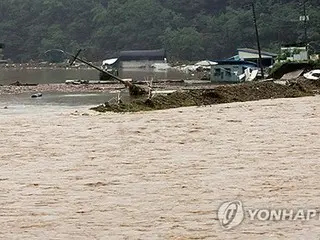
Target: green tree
(184, 43)
(189, 29)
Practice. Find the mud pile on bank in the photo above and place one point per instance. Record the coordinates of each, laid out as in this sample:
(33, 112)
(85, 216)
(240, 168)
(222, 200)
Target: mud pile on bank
(221, 94)
(309, 85)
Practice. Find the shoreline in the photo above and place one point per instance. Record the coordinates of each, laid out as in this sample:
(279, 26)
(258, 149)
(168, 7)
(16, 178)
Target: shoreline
(185, 95)
(242, 92)
(163, 84)
(59, 87)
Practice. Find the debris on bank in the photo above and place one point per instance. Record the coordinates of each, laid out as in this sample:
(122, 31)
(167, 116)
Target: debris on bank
(249, 91)
(86, 82)
(292, 75)
(289, 67)
(19, 84)
(313, 75)
(106, 82)
(36, 95)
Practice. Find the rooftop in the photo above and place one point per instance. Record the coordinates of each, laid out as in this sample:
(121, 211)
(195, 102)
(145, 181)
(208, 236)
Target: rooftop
(158, 54)
(236, 62)
(250, 50)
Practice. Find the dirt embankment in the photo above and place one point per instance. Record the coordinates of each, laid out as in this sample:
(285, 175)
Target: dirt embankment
(221, 94)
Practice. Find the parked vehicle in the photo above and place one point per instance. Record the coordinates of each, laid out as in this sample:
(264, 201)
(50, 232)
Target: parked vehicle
(313, 75)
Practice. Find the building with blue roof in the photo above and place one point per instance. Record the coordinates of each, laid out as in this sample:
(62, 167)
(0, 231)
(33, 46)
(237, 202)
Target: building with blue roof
(230, 70)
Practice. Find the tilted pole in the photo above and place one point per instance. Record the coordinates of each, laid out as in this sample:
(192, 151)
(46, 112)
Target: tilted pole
(126, 83)
(134, 90)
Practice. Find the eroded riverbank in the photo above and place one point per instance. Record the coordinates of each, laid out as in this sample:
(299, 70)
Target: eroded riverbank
(249, 91)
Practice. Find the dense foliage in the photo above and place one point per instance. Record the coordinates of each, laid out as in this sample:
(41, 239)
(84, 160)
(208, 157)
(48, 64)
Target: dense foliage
(188, 29)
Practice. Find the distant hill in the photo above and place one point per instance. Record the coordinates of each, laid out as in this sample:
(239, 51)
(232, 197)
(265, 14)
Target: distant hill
(188, 29)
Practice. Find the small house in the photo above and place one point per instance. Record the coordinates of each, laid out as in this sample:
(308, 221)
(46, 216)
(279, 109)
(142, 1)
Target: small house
(230, 71)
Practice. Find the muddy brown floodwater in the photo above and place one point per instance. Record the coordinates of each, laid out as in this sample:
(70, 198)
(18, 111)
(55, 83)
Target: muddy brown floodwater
(69, 174)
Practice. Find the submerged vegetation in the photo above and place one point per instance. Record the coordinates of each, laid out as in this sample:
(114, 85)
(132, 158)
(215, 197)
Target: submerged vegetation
(188, 29)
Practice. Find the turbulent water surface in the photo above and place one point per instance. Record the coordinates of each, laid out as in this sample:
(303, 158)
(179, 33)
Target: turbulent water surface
(69, 173)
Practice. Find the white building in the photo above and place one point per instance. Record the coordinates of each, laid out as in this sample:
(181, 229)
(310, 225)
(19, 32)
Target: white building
(295, 53)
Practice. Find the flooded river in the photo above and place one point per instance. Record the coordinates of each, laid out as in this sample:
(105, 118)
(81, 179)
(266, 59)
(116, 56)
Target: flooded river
(55, 76)
(43, 76)
(70, 173)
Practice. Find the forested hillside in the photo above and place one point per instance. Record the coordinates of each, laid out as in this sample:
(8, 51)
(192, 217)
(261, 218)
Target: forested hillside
(188, 29)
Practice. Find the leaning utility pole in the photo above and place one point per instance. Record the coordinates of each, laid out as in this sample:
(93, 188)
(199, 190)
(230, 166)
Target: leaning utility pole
(305, 19)
(258, 40)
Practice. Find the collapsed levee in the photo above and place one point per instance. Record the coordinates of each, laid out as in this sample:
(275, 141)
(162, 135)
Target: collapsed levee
(221, 94)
